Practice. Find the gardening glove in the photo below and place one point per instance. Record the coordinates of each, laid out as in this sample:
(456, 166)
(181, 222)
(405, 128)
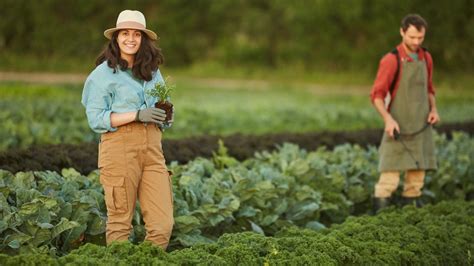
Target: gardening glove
(151, 115)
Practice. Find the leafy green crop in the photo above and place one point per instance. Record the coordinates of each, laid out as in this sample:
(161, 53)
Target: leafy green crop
(295, 187)
(434, 235)
(45, 211)
(289, 187)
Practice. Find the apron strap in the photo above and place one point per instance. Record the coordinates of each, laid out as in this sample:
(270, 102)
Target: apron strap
(395, 78)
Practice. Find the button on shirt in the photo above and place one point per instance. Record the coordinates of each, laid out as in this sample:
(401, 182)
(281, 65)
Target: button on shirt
(106, 92)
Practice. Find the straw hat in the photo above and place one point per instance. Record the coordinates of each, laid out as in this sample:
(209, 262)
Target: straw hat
(130, 19)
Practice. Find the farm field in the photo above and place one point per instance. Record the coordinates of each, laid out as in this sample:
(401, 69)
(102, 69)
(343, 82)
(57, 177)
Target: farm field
(273, 155)
(359, 240)
(268, 169)
(207, 108)
(54, 212)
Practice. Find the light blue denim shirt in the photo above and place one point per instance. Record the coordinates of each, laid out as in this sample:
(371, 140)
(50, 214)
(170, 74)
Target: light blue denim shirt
(106, 92)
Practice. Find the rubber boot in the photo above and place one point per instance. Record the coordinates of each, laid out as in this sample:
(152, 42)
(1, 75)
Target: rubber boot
(381, 203)
(415, 201)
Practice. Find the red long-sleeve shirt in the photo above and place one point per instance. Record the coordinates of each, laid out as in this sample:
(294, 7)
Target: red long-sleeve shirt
(388, 68)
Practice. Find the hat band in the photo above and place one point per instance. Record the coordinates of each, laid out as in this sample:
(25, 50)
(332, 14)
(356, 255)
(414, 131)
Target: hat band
(130, 24)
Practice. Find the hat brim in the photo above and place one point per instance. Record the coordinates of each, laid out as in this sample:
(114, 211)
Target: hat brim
(109, 32)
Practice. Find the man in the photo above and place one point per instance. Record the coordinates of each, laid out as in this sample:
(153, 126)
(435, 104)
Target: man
(404, 96)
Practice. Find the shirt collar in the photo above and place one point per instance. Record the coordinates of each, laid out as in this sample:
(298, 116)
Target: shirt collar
(403, 54)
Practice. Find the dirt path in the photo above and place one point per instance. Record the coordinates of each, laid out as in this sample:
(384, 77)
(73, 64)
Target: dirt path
(43, 78)
(218, 83)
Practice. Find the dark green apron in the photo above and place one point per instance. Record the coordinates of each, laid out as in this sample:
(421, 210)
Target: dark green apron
(410, 108)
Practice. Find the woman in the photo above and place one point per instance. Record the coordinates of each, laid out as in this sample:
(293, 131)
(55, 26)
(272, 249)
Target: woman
(131, 160)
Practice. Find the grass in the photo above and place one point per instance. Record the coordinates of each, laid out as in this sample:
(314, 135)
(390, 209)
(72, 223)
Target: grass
(291, 74)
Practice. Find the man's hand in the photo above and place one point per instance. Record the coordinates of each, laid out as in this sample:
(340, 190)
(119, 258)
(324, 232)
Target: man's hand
(390, 126)
(433, 117)
(390, 123)
(151, 115)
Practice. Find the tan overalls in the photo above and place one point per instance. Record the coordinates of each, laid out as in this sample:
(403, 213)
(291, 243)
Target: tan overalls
(132, 166)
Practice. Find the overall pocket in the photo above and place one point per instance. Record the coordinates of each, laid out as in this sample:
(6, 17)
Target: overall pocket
(115, 193)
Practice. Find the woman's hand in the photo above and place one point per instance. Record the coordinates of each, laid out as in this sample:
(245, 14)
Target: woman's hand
(151, 115)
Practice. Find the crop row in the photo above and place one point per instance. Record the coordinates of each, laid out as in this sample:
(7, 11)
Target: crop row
(434, 235)
(83, 157)
(266, 193)
(36, 115)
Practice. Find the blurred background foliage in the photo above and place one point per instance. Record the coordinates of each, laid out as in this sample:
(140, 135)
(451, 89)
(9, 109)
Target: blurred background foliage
(317, 35)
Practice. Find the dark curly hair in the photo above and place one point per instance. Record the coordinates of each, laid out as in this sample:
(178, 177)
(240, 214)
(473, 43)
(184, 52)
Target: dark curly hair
(147, 59)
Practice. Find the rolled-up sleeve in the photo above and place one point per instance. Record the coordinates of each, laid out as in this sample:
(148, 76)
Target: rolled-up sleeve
(98, 101)
(385, 75)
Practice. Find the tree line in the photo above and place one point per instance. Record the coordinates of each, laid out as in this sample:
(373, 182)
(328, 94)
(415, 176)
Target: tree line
(312, 34)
